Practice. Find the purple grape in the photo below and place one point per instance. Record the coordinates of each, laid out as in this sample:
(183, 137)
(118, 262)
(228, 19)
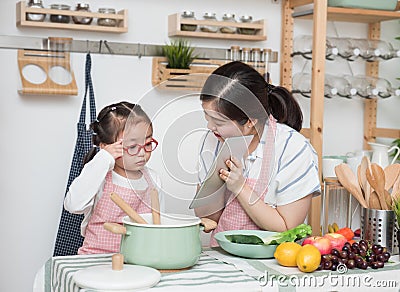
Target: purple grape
(343, 254)
(387, 256)
(350, 264)
(351, 255)
(363, 266)
(327, 265)
(335, 252)
(380, 258)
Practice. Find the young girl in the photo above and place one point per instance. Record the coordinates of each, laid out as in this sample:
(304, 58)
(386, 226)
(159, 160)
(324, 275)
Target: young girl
(272, 187)
(124, 134)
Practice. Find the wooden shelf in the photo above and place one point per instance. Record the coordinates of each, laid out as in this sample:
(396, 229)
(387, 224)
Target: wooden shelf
(187, 79)
(175, 21)
(120, 16)
(352, 15)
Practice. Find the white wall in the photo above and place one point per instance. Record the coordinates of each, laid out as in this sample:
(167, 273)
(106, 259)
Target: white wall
(39, 132)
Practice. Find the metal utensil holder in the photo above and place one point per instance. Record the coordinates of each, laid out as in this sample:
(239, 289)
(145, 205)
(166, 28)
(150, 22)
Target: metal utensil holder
(379, 226)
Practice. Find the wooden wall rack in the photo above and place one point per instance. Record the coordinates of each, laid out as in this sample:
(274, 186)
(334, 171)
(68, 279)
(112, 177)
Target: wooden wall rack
(175, 21)
(46, 61)
(187, 79)
(120, 16)
(320, 14)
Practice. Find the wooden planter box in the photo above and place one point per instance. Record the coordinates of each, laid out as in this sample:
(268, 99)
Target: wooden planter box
(185, 79)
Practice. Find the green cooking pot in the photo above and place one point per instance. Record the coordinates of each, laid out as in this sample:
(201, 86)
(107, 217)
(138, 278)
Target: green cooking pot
(174, 244)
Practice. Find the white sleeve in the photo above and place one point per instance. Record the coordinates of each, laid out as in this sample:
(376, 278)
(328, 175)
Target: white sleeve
(297, 173)
(82, 192)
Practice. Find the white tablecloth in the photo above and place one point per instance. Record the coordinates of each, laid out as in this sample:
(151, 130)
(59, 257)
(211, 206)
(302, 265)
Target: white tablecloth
(220, 271)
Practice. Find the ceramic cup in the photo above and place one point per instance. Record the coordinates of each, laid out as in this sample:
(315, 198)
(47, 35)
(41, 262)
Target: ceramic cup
(329, 163)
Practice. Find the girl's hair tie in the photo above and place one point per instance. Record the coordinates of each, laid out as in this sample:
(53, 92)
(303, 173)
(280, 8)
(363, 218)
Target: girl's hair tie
(113, 108)
(94, 134)
(270, 88)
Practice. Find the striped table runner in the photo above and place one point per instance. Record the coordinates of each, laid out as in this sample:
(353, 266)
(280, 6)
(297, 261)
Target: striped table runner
(209, 274)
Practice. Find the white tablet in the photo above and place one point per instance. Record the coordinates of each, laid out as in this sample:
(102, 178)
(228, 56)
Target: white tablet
(213, 188)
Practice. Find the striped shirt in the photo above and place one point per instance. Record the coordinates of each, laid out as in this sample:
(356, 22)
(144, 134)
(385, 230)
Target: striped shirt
(295, 169)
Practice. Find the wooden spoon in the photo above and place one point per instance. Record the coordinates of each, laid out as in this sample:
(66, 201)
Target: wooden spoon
(349, 181)
(365, 164)
(374, 201)
(127, 209)
(392, 172)
(360, 182)
(155, 207)
(376, 178)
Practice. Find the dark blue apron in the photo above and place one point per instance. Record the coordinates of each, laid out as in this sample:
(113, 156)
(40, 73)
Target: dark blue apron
(69, 237)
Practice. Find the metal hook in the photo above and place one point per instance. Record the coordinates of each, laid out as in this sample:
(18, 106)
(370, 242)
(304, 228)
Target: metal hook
(139, 51)
(108, 47)
(101, 42)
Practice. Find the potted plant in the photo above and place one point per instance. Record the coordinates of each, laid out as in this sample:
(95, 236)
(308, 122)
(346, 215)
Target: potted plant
(179, 54)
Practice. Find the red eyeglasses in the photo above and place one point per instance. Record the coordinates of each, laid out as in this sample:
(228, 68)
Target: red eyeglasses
(135, 148)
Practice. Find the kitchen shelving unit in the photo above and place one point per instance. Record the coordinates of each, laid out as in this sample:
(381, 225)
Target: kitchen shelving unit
(320, 14)
(120, 16)
(175, 21)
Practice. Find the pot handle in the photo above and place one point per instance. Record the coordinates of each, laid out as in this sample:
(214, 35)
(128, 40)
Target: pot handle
(208, 224)
(115, 228)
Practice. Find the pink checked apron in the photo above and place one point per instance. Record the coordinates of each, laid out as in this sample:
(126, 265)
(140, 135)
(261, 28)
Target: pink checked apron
(234, 217)
(99, 240)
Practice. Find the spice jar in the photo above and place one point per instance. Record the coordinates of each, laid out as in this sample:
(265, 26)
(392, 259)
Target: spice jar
(35, 16)
(228, 18)
(84, 7)
(57, 17)
(107, 21)
(188, 15)
(256, 57)
(245, 30)
(235, 53)
(245, 55)
(209, 28)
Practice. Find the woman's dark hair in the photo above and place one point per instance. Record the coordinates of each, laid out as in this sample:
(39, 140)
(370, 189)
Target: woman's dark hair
(111, 121)
(241, 93)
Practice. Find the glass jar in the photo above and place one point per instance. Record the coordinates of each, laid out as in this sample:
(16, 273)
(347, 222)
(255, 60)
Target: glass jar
(256, 57)
(57, 17)
(188, 15)
(245, 55)
(35, 16)
(84, 7)
(245, 30)
(228, 18)
(209, 28)
(107, 21)
(235, 53)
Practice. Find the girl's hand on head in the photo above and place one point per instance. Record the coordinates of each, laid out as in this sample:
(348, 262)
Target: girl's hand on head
(233, 177)
(115, 149)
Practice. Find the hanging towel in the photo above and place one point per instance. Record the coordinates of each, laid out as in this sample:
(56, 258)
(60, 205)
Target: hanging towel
(69, 237)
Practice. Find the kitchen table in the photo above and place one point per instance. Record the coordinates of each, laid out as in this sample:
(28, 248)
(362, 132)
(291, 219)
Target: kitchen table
(220, 271)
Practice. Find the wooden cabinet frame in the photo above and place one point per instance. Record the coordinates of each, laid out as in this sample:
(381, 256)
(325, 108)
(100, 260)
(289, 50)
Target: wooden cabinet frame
(321, 14)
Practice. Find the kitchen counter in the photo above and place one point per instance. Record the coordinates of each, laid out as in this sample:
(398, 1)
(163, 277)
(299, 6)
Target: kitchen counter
(219, 271)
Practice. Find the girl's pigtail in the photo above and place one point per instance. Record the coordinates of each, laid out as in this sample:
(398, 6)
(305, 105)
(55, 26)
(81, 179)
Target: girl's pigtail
(95, 140)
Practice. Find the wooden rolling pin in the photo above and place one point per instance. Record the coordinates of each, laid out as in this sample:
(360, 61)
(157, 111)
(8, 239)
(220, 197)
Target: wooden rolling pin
(155, 207)
(127, 209)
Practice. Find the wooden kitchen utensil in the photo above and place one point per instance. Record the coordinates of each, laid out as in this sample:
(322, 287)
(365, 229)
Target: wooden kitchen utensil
(349, 181)
(374, 201)
(127, 209)
(392, 172)
(155, 206)
(376, 178)
(365, 164)
(360, 182)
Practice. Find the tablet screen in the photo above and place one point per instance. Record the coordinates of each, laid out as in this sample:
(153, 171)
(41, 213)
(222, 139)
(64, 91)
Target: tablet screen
(213, 187)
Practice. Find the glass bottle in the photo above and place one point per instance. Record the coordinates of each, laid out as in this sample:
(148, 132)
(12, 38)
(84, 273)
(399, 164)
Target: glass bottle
(107, 21)
(382, 87)
(188, 15)
(256, 57)
(301, 83)
(58, 17)
(209, 28)
(235, 53)
(228, 18)
(303, 46)
(245, 30)
(343, 87)
(79, 19)
(35, 16)
(361, 84)
(344, 47)
(245, 58)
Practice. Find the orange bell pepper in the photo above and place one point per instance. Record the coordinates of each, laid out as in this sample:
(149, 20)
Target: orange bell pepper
(346, 232)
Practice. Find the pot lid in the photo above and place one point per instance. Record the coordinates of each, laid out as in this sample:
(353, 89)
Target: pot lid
(125, 278)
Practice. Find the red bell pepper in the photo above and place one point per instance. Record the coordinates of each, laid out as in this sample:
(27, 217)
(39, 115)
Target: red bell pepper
(346, 232)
